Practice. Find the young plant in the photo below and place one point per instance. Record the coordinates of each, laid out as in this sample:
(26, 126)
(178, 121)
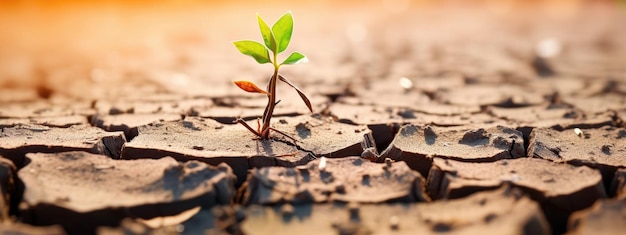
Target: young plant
(275, 41)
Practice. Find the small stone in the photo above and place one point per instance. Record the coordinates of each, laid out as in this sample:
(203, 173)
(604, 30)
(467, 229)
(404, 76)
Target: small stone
(578, 132)
(394, 222)
(406, 83)
(322, 165)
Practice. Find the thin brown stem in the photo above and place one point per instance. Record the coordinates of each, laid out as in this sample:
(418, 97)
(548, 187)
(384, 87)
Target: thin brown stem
(242, 122)
(271, 103)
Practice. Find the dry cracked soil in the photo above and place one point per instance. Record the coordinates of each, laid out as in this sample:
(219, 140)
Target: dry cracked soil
(429, 117)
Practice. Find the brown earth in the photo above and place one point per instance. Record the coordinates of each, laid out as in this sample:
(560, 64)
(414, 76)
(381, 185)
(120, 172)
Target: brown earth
(430, 117)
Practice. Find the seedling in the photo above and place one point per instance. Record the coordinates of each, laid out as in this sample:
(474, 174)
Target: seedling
(275, 41)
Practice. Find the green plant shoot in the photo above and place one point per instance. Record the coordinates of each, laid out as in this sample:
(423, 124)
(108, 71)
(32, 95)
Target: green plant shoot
(275, 41)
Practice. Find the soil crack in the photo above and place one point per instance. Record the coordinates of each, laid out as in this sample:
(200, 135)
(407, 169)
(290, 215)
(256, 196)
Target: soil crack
(294, 144)
(512, 147)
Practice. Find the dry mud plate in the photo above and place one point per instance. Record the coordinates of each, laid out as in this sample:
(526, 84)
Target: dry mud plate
(102, 191)
(428, 117)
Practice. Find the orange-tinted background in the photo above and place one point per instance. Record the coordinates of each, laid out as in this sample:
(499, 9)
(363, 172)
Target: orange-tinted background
(54, 44)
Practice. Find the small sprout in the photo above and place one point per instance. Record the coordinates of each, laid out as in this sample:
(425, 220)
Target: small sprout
(322, 165)
(275, 40)
(578, 132)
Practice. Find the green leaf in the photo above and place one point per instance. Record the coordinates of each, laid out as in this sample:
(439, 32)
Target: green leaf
(268, 37)
(282, 29)
(296, 58)
(254, 49)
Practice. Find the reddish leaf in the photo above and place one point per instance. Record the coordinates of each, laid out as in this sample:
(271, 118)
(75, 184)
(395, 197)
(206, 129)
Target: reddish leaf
(249, 87)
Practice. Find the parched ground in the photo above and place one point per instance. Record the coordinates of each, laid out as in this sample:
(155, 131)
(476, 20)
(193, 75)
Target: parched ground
(429, 117)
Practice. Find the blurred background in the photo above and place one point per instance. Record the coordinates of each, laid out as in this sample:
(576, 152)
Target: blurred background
(105, 49)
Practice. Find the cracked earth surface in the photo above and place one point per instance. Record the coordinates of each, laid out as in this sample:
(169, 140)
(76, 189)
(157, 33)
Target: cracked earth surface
(429, 118)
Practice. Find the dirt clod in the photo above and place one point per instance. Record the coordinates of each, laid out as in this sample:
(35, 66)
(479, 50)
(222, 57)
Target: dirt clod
(167, 186)
(342, 181)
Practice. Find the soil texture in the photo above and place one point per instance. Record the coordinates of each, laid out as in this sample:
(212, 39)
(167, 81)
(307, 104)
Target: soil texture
(428, 117)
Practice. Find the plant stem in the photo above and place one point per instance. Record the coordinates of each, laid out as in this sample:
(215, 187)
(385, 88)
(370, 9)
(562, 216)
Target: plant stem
(271, 103)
